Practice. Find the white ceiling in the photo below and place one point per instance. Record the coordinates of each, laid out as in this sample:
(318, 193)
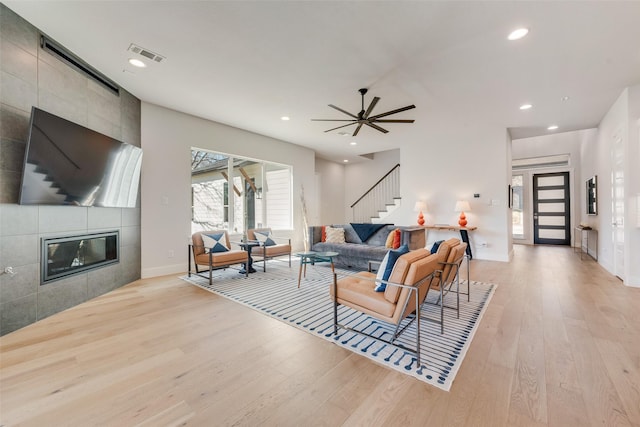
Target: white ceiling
(246, 64)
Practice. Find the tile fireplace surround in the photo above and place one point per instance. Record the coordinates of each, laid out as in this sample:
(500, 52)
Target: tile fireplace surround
(32, 77)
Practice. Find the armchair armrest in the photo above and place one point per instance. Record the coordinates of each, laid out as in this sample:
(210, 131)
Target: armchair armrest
(315, 234)
(422, 281)
(193, 247)
(371, 262)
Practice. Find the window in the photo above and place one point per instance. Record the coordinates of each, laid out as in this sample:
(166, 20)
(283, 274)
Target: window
(235, 193)
(517, 182)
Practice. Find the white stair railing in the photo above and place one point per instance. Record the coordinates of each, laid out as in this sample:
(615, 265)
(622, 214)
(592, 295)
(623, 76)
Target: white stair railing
(375, 200)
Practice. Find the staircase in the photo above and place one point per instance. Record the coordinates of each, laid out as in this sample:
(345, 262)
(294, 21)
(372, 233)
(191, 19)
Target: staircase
(389, 208)
(379, 200)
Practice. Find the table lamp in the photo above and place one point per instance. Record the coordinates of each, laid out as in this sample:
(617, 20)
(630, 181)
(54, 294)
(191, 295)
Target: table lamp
(419, 207)
(461, 206)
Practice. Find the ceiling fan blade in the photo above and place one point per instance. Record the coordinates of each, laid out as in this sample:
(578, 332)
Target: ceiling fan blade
(392, 121)
(388, 113)
(376, 127)
(357, 129)
(343, 111)
(374, 101)
(353, 123)
(332, 120)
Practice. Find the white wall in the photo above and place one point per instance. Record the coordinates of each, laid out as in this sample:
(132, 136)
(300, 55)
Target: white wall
(330, 190)
(453, 163)
(624, 118)
(616, 120)
(632, 191)
(167, 139)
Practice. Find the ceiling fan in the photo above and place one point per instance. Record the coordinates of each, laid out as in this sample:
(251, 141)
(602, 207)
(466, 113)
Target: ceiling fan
(364, 117)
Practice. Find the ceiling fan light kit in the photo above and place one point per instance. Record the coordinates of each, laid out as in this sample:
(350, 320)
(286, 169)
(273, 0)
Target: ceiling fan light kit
(365, 117)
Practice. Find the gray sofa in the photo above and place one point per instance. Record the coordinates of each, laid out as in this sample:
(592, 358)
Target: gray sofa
(355, 253)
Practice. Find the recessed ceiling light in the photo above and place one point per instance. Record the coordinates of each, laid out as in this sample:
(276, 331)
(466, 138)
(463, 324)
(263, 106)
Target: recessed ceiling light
(564, 98)
(346, 161)
(525, 106)
(518, 34)
(285, 118)
(353, 143)
(552, 127)
(137, 63)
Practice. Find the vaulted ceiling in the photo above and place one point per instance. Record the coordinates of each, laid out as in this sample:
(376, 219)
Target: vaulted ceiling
(248, 63)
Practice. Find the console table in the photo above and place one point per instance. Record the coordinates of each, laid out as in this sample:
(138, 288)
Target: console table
(588, 240)
(464, 233)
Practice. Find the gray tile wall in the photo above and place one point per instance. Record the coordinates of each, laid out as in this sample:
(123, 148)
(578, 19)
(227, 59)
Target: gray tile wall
(29, 76)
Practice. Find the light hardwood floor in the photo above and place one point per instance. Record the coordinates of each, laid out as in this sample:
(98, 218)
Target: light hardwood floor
(558, 346)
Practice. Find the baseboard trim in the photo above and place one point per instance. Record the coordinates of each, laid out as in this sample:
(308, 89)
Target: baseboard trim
(163, 271)
(633, 282)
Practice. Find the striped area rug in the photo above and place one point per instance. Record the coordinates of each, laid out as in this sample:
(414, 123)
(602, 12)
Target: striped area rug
(275, 293)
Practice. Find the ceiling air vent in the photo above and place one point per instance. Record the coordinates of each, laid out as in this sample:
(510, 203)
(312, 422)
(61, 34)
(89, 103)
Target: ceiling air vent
(66, 56)
(146, 53)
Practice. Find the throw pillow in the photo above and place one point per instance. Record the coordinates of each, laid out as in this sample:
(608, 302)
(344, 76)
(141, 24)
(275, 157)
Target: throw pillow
(390, 237)
(215, 242)
(396, 238)
(350, 234)
(335, 235)
(385, 271)
(435, 246)
(323, 236)
(264, 237)
(380, 273)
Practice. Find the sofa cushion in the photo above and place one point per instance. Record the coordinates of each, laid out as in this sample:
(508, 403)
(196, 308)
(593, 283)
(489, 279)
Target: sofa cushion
(358, 290)
(215, 242)
(379, 238)
(352, 254)
(384, 272)
(222, 258)
(270, 251)
(350, 235)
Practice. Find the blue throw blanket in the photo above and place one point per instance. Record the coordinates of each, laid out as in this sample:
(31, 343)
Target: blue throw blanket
(365, 230)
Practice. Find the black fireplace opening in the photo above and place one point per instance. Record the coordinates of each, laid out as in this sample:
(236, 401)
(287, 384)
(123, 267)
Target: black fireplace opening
(65, 256)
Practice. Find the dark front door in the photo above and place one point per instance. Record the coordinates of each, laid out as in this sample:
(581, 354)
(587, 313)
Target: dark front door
(551, 209)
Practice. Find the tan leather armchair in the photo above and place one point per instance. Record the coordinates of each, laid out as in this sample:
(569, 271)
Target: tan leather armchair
(281, 248)
(214, 260)
(405, 293)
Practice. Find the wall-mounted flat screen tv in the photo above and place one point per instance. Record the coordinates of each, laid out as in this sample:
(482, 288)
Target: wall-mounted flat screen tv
(68, 164)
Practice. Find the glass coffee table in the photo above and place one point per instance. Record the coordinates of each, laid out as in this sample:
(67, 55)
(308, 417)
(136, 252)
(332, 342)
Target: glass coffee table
(313, 257)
